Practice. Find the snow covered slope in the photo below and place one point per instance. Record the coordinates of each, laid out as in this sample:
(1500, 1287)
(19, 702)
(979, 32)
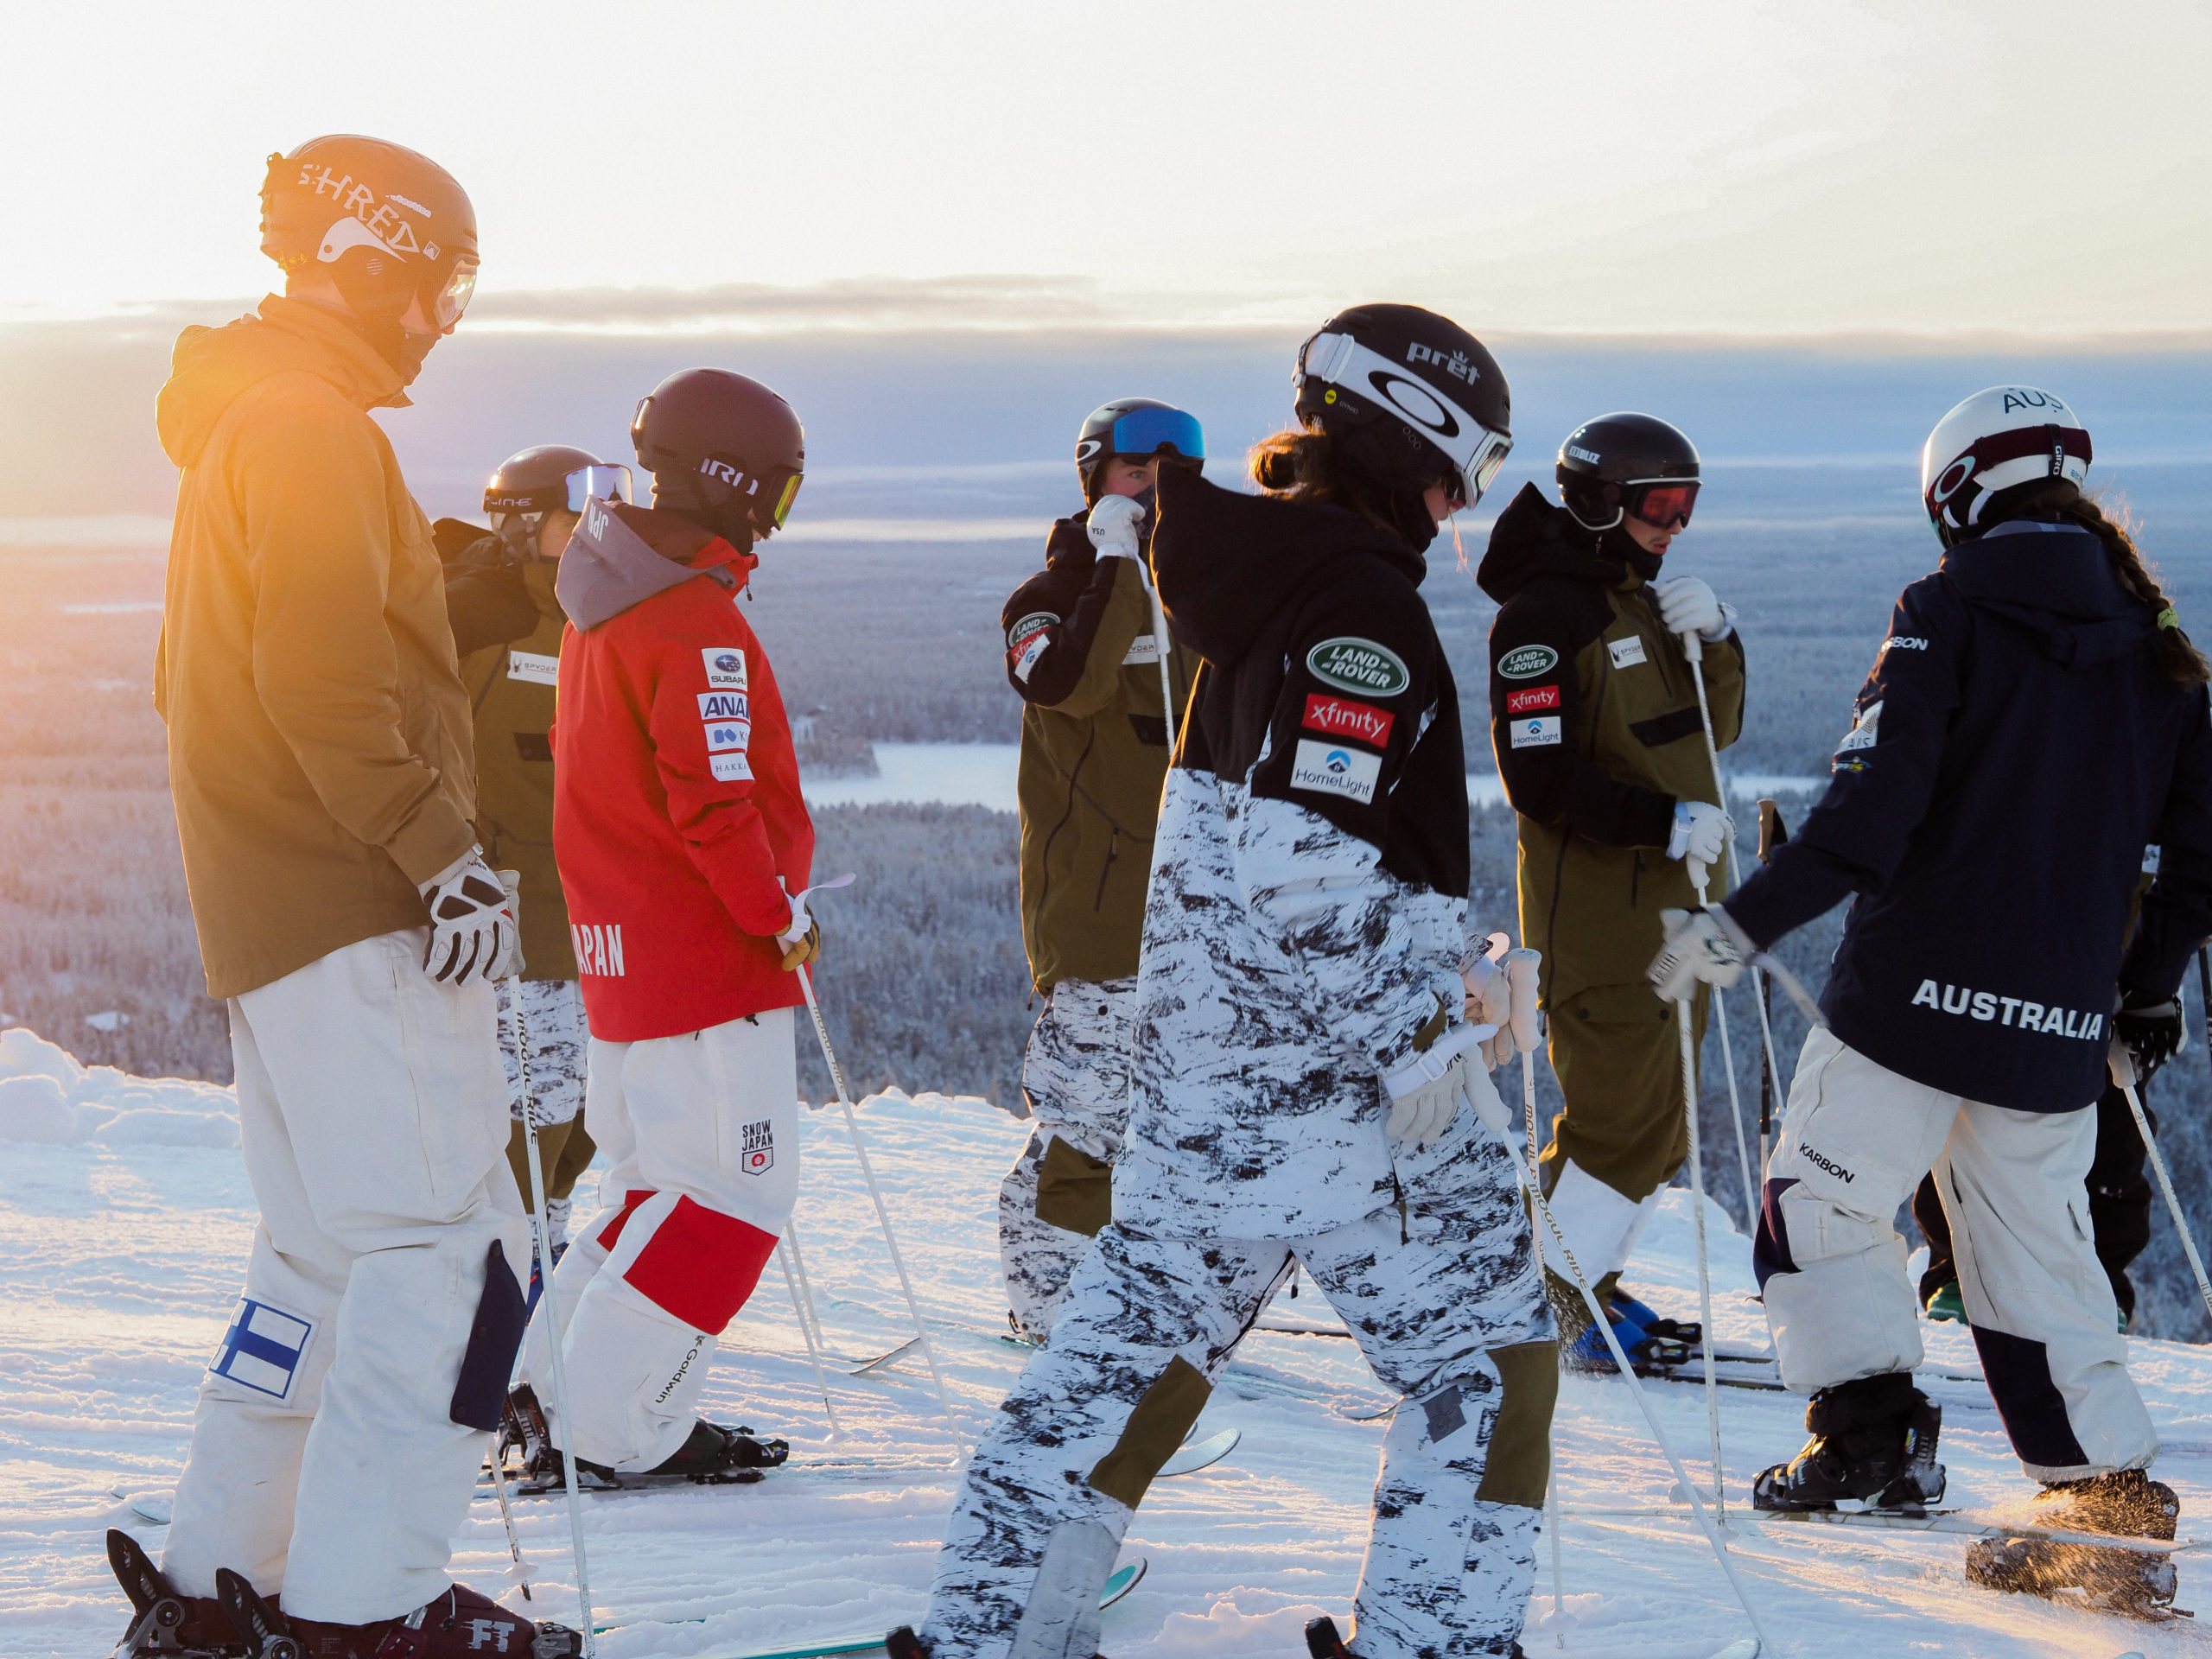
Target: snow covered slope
(124, 1219)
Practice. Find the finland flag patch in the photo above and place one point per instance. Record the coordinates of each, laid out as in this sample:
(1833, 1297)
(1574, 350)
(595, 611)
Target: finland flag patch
(262, 1348)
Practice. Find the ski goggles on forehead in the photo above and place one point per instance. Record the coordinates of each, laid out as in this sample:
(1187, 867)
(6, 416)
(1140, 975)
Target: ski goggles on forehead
(1664, 504)
(607, 483)
(1147, 431)
(453, 294)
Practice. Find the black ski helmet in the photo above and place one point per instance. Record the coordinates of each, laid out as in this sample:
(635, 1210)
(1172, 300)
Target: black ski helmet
(723, 448)
(1610, 467)
(1134, 425)
(548, 478)
(389, 224)
(1411, 397)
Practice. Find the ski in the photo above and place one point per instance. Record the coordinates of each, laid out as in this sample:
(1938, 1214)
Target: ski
(1125, 1580)
(1203, 1454)
(1958, 1522)
(867, 1365)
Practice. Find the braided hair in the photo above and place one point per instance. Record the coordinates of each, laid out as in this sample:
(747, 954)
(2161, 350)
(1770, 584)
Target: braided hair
(2178, 656)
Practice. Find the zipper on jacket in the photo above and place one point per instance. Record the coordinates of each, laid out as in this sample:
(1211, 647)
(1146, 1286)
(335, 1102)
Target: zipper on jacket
(1112, 852)
(1634, 877)
(1045, 857)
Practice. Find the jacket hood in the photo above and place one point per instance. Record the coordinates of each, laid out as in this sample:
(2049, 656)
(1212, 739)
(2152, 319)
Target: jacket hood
(2054, 581)
(621, 555)
(1225, 563)
(211, 367)
(1533, 537)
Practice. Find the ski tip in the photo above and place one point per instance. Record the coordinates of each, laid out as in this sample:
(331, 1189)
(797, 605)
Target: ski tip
(1125, 1577)
(1203, 1454)
(1746, 1648)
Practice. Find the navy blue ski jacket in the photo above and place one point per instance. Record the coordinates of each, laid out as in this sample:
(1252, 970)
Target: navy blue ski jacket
(2014, 750)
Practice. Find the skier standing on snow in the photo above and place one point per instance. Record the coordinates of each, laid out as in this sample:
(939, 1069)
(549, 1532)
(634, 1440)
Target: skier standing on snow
(2034, 718)
(507, 624)
(1299, 1052)
(1082, 654)
(1595, 723)
(320, 759)
(684, 849)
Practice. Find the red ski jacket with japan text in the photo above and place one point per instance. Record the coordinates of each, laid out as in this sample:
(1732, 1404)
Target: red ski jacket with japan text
(677, 816)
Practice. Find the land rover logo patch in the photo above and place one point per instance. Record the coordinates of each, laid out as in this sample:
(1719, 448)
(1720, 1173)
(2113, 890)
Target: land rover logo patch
(1352, 664)
(1526, 662)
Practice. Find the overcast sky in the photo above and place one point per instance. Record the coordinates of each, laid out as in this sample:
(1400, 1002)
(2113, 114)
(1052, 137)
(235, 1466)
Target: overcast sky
(1595, 167)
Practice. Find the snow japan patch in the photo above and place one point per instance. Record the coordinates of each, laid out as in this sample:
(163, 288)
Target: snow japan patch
(757, 1147)
(1343, 717)
(1537, 732)
(725, 667)
(262, 1348)
(730, 768)
(1626, 653)
(531, 666)
(1333, 770)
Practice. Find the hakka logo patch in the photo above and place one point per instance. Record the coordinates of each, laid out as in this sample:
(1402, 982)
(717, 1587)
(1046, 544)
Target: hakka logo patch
(1341, 717)
(725, 667)
(757, 1147)
(1351, 665)
(1536, 697)
(732, 768)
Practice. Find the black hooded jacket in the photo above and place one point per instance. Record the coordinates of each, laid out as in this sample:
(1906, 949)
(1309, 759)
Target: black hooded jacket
(2015, 749)
(1323, 677)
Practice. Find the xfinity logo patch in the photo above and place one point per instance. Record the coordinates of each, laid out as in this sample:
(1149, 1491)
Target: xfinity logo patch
(1987, 1005)
(1535, 698)
(1342, 717)
(1327, 769)
(725, 667)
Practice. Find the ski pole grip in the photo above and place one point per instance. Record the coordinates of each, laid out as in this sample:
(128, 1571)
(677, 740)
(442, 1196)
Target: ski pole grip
(2121, 1064)
(1693, 646)
(1521, 969)
(1773, 832)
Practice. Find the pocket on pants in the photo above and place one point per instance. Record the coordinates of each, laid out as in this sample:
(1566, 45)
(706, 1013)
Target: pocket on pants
(450, 1046)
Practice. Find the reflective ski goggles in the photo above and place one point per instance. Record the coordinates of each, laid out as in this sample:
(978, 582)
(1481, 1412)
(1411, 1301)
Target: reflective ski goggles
(768, 495)
(1664, 504)
(1149, 431)
(1475, 451)
(607, 483)
(453, 296)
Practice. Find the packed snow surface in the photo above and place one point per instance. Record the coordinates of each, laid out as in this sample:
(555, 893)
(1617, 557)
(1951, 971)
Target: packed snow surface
(125, 1221)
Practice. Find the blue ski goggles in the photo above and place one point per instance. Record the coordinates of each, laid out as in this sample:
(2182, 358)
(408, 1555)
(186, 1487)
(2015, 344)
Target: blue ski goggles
(1147, 431)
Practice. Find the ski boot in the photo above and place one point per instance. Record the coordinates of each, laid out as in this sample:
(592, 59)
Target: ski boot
(1322, 1641)
(1946, 1304)
(1652, 1344)
(713, 1455)
(2131, 1581)
(460, 1624)
(1647, 1322)
(1873, 1447)
(164, 1624)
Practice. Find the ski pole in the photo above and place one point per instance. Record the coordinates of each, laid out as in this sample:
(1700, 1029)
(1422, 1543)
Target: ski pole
(812, 1315)
(1682, 1023)
(1768, 1084)
(507, 1520)
(1160, 640)
(1497, 1125)
(821, 1377)
(2204, 984)
(1735, 1104)
(882, 1214)
(552, 1303)
(2123, 1073)
(1520, 977)
(1694, 649)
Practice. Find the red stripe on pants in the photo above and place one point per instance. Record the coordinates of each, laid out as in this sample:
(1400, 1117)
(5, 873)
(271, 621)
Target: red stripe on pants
(612, 1231)
(701, 1265)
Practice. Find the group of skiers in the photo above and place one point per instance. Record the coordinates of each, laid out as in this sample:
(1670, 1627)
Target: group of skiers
(482, 825)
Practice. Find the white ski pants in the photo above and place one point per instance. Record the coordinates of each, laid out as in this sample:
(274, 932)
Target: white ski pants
(1447, 1311)
(1851, 1149)
(1074, 1074)
(326, 1460)
(701, 1133)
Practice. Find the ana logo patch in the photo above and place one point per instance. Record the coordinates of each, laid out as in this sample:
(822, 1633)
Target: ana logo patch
(733, 768)
(757, 1148)
(1536, 697)
(1537, 732)
(262, 1348)
(1626, 653)
(1865, 731)
(532, 667)
(726, 734)
(1526, 662)
(1351, 665)
(1142, 649)
(1341, 717)
(725, 705)
(1329, 770)
(725, 667)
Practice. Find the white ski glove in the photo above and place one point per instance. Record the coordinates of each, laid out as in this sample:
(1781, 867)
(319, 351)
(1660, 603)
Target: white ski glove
(473, 932)
(802, 940)
(1112, 526)
(1701, 832)
(1511, 1005)
(1425, 1092)
(1686, 605)
(1703, 947)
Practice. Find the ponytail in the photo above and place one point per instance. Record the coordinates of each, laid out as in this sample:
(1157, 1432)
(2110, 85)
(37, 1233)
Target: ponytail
(1308, 466)
(2180, 659)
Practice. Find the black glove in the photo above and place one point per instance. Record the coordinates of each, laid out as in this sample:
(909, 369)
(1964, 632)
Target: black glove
(2153, 1032)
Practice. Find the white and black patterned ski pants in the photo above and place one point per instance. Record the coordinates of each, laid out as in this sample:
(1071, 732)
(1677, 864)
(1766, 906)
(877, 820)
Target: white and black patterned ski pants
(1451, 1317)
(1074, 1074)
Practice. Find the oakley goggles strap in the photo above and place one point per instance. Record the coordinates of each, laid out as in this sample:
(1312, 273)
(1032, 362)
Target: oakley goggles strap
(1474, 449)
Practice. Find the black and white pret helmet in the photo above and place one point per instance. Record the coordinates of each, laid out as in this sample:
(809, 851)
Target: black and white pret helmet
(1411, 396)
(1996, 447)
(1627, 464)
